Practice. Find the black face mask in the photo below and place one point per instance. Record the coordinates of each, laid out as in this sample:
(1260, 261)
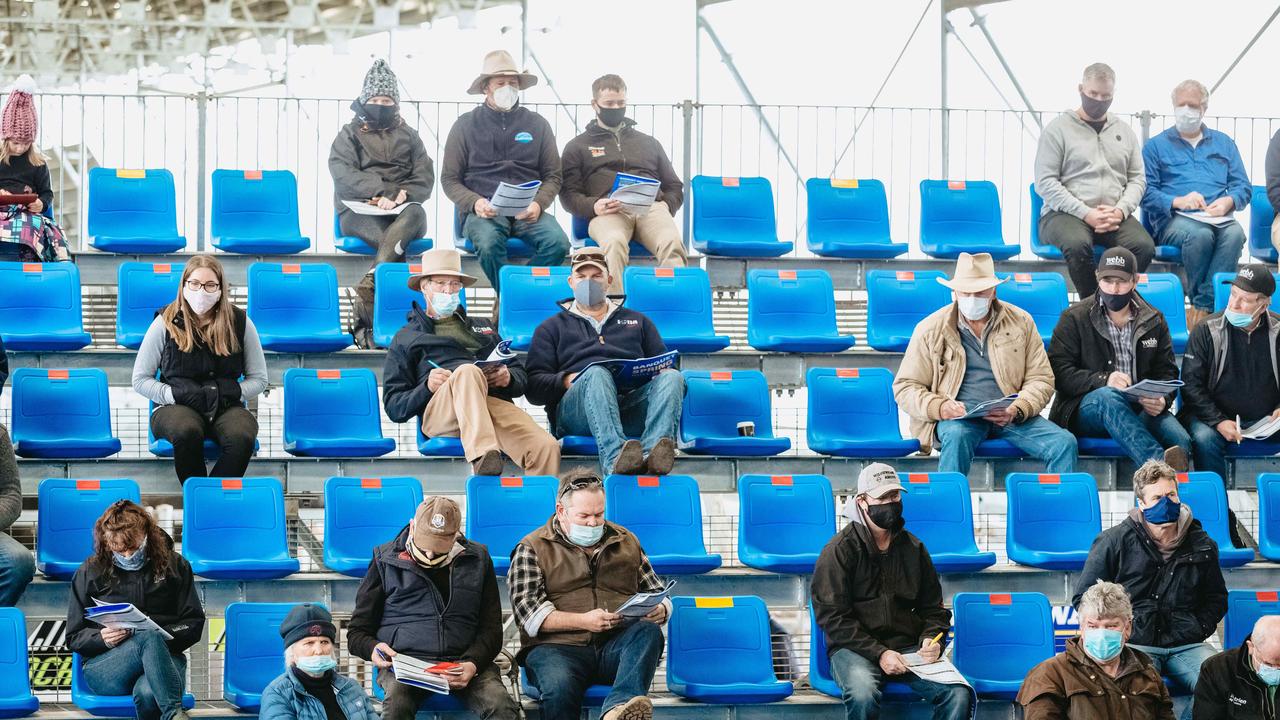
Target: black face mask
(611, 117)
(377, 116)
(887, 516)
(1094, 108)
(1115, 303)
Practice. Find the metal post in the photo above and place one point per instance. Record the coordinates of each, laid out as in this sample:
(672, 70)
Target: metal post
(942, 72)
(202, 124)
(686, 109)
(524, 34)
(1145, 118)
(1246, 49)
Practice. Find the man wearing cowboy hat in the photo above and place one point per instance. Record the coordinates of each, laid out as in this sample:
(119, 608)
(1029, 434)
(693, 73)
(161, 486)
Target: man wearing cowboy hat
(974, 350)
(502, 141)
(430, 373)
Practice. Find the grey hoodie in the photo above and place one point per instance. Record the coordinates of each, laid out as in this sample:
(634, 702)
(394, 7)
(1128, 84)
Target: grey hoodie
(10, 483)
(1078, 168)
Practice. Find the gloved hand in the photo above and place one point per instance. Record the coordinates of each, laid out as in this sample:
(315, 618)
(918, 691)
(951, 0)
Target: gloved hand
(228, 392)
(201, 398)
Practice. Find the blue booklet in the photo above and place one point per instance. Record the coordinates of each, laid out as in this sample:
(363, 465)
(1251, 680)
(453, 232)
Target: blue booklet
(636, 193)
(631, 374)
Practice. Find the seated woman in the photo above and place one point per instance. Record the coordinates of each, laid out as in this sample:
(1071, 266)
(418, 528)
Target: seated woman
(210, 362)
(311, 688)
(134, 562)
(23, 172)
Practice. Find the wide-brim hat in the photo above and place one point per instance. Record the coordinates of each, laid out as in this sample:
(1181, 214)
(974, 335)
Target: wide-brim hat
(974, 273)
(440, 261)
(499, 63)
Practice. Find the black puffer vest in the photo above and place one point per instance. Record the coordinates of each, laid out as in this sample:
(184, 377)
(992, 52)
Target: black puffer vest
(201, 365)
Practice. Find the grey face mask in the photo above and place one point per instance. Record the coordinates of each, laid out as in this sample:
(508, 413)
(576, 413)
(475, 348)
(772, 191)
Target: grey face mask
(588, 293)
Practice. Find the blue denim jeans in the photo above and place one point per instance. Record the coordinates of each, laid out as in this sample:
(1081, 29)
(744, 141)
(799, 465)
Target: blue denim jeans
(17, 566)
(1037, 437)
(861, 680)
(489, 236)
(1206, 250)
(1107, 412)
(592, 406)
(141, 666)
(1181, 665)
(562, 673)
(1208, 449)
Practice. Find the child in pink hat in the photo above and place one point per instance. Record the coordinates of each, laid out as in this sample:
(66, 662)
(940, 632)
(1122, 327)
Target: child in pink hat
(23, 172)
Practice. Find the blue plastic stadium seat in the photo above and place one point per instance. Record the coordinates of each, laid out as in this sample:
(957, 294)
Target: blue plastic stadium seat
(850, 219)
(133, 211)
(998, 447)
(852, 413)
(1100, 447)
(235, 528)
(678, 301)
(67, 512)
(578, 445)
(719, 650)
(111, 706)
(1207, 497)
(961, 216)
(1222, 291)
(784, 521)
(734, 217)
(443, 446)
(16, 698)
(793, 311)
(361, 514)
(254, 653)
(1244, 607)
(593, 697)
(999, 638)
(1269, 516)
(295, 307)
(665, 513)
(1163, 291)
(529, 296)
(715, 402)
(61, 414)
(1038, 248)
(516, 247)
(502, 510)
(40, 306)
(1052, 519)
(142, 290)
(939, 511)
(393, 300)
(333, 413)
(897, 301)
(160, 447)
(581, 238)
(1043, 295)
(356, 246)
(820, 677)
(1261, 215)
(256, 211)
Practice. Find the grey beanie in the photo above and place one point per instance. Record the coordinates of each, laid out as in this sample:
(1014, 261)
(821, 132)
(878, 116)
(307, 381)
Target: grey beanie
(380, 81)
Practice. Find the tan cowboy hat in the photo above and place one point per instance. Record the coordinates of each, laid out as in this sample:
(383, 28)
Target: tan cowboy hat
(499, 63)
(974, 273)
(440, 261)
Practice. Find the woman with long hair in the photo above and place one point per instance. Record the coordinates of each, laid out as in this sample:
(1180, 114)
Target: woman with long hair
(134, 562)
(24, 175)
(210, 362)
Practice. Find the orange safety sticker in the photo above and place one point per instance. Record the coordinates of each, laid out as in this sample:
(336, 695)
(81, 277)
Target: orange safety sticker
(515, 481)
(252, 174)
(32, 267)
(291, 269)
(88, 484)
(905, 275)
(1183, 477)
(329, 374)
(1000, 599)
(415, 269)
(1268, 596)
(131, 174)
(918, 478)
(955, 184)
(371, 483)
(647, 481)
(781, 480)
(1049, 479)
(162, 268)
(664, 272)
(721, 375)
(541, 271)
(704, 603)
(839, 183)
(847, 372)
(59, 374)
(1022, 277)
(729, 181)
(232, 484)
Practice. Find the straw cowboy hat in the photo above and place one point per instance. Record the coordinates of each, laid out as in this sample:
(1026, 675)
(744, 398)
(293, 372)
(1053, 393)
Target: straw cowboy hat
(499, 63)
(440, 261)
(974, 273)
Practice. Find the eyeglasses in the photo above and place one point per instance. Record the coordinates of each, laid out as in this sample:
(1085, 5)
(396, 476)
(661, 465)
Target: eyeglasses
(208, 287)
(445, 285)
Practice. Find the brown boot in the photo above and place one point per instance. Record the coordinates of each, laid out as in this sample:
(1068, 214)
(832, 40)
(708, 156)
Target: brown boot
(1176, 458)
(661, 457)
(489, 464)
(637, 708)
(630, 460)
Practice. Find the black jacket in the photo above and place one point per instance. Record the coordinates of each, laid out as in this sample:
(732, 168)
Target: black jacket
(172, 603)
(868, 602)
(416, 346)
(399, 605)
(1230, 689)
(486, 147)
(379, 163)
(593, 159)
(1203, 362)
(19, 176)
(206, 382)
(4, 366)
(1178, 602)
(1273, 170)
(1082, 356)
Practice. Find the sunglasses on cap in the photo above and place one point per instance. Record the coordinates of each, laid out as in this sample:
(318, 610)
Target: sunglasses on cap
(582, 484)
(591, 253)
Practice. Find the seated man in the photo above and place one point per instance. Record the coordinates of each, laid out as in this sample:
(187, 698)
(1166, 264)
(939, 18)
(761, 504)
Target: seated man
(1089, 171)
(1195, 169)
(432, 594)
(502, 141)
(974, 350)
(1231, 381)
(567, 580)
(1240, 683)
(610, 145)
(1098, 676)
(877, 596)
(591, 327)
(1101, 346)
(430, 372)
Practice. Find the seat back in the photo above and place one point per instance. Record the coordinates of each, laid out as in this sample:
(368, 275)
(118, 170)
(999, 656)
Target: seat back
(15, 678)
(1261, 216)
(1001, 636)
(67, 510)
(1205, 494)
(1244, 608)
(1054, 513)
(1039, 247)
(254, 655)
(132, 203)
(502, 510)
(664, 513)
(719, 641)
(254, 204)
(851, 402)
(677, 300)
(39, 298)
(362, 513)
(958, 211)
(939, 511)
(789, 303)
(785, 514)
(227, 519)
(716, 401)
(1269, 515)
(726, 209)
(1042, 295)
(52, 405)
(331, 404)
(846, 211)
(529, 296)
(897, 301)
(142, 290)
(1163, 291)
(299, 298)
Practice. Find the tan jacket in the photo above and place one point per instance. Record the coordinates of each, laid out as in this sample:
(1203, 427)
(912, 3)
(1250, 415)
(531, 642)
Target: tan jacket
(934, 366)
(1071, 686)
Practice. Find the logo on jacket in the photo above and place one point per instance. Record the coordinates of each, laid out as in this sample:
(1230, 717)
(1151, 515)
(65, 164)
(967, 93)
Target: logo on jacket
(596, 151)
(628, 322)
(1237, 701)
(1149, 343)
(524, 137)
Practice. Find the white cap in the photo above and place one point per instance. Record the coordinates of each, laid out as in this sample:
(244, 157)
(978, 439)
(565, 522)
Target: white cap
(877, 479)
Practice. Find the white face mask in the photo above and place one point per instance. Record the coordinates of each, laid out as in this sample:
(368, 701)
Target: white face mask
(1187, 120)
(974, 308)
(201, 301)
(505, 97)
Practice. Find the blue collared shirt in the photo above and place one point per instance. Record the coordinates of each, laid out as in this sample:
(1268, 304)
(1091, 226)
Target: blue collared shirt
(1212, 168)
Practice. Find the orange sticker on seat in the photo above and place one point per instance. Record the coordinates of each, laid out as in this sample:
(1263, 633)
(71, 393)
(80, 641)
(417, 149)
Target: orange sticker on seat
(664, 272)
(540, 271)
(847, 372)
(232, 484)
(729, 181)
(32, 267)
(1268, 596)
(955, 184)
(291, 269)
(371, 483)
(131, 174)
(647, 481)
(786, 274)
(88, 484)
(1049, 479)
(918, 478)
(515, 481)
(252, 174)
(721, 375)
(1183, 478)
(1022, 277)
(905, 275)
(1000, 599)
(704, 603)
(329, 374)
(781, 480)
(415, 269)
(162, 268)
(1143, 277)
(838, 183)
(59, 374)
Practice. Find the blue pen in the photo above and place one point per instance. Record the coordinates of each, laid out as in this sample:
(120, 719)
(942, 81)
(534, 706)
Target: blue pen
(434, 365)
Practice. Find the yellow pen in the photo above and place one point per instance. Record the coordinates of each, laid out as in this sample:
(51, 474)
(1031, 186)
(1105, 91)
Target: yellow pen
(938, 637)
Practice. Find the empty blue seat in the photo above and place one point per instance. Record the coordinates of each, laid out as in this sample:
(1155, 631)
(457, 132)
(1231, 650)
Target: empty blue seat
(61, 414)
(67, 512)
(581, 238)
(1261, 216)
(719, 650)
(1222, 291)
(999, 638)
(1042, 295)
(516, 247)
(254, 655)
(361, 514)
(793, 311)
(678, 301)
(897, 301)
(849, 219)
(438, 446)
(1052, 519)
(1038, 247)
(1100, 447)
(961, 216)
(1163, 291)
(784, 521)
(1269, 516)
(939, 511)
(734, 217)
(852, 413)
(40, 306)
(529, 296)
(356, 246)
(16, 698)
(142, 290)
(393, 300)
(256, 211)
(593, 697)
(1244, 608)
(111, 706)
(333, 413)
(235, 528)
(295, 307)
(715, 402)
(820, 677)
(133, 211)
(502, 510)
(665, 514)
(1207, 497)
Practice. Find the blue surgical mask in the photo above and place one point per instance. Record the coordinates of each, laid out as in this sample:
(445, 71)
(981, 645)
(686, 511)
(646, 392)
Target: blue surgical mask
(588, 293)
(1239, 319)
(316, 664)
(131, 563)
(1268, 674)
(1166, 510)
(444, 304)
(1103, 645)
(585, 535)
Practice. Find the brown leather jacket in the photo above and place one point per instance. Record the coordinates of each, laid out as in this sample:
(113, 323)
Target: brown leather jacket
(1071, 685)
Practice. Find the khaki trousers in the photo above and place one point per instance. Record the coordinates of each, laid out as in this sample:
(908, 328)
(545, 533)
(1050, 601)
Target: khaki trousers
(1275, 232)
(462, 407)
(656, 230)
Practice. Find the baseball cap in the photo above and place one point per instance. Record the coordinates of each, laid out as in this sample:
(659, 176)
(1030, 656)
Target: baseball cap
(1118, 263)
(1255, 278)
(589, 256)
(437, 520)
(877, 479)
